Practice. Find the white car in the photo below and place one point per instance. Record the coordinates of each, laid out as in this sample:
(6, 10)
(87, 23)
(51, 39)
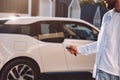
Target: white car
(33, 45)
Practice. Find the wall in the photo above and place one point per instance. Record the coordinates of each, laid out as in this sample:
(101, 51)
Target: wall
(16, 6)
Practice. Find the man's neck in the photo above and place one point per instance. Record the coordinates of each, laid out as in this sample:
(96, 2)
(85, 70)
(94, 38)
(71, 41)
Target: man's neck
(117, 6)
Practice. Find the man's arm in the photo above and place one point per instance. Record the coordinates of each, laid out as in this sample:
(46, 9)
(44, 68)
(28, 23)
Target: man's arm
(87, 49)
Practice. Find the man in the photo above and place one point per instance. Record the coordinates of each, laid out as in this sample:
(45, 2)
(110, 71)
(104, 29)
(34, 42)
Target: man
(107, 47)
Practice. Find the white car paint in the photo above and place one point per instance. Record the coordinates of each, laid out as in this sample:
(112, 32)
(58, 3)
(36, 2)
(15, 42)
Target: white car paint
(51, 57)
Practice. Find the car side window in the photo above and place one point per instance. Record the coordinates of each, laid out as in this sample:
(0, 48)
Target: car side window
(47, 31)
(50, 32)
(79, 31)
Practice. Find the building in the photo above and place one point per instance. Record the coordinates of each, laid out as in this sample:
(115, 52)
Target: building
(55, 8)
(92, 13)
(52, 8)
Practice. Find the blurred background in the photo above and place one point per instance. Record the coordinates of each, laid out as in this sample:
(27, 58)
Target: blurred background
(88, 10)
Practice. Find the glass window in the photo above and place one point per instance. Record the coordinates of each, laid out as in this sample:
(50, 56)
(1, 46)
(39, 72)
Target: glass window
(9, 29)
(45, 28)
(47, 31)
(79, 31)
(30, 30)
(51, 32)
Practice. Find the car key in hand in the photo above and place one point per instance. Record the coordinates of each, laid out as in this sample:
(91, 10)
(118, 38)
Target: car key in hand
(68, 48)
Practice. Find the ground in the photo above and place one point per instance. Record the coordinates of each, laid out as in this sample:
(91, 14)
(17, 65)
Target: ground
(67, 76)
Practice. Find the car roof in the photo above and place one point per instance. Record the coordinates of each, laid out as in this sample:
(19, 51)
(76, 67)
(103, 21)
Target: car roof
(30, 20)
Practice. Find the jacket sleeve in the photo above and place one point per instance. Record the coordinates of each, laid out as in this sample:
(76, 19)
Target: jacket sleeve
(87, 49)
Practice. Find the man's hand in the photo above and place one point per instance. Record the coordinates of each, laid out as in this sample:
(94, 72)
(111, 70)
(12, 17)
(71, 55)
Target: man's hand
(72, 49)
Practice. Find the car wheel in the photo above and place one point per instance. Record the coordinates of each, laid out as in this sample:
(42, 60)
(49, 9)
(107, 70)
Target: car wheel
(20, 69)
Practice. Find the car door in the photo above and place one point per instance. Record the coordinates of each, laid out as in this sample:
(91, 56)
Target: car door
(79, 34)
(52, 51)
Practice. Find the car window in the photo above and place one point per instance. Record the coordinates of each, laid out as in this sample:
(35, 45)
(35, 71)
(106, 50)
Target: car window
(51, 32)
(79, 31)
(2, 23)
(46, 31)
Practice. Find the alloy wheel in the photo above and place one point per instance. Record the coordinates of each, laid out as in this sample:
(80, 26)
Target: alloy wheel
(21, 72)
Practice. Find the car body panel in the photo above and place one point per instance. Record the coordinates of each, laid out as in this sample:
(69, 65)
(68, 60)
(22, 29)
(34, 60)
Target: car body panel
(11, 48)
(76, 63)
(29, 20)
(53, 57)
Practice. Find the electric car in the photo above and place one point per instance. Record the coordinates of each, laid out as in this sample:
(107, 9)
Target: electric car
(30, 46)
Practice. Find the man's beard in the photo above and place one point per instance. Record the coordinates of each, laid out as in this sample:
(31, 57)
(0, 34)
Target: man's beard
(111, 5)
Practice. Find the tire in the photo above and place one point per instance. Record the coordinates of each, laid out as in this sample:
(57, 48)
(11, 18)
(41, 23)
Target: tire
(20, 69)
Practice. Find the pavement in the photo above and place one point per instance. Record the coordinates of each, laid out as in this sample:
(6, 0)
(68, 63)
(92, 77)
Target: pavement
(67, 76)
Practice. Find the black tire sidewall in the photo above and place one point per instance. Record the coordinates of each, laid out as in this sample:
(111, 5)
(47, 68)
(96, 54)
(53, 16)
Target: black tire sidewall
(15, 62)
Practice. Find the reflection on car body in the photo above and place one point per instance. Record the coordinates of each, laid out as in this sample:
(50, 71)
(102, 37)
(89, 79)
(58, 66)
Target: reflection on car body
(33, 45)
